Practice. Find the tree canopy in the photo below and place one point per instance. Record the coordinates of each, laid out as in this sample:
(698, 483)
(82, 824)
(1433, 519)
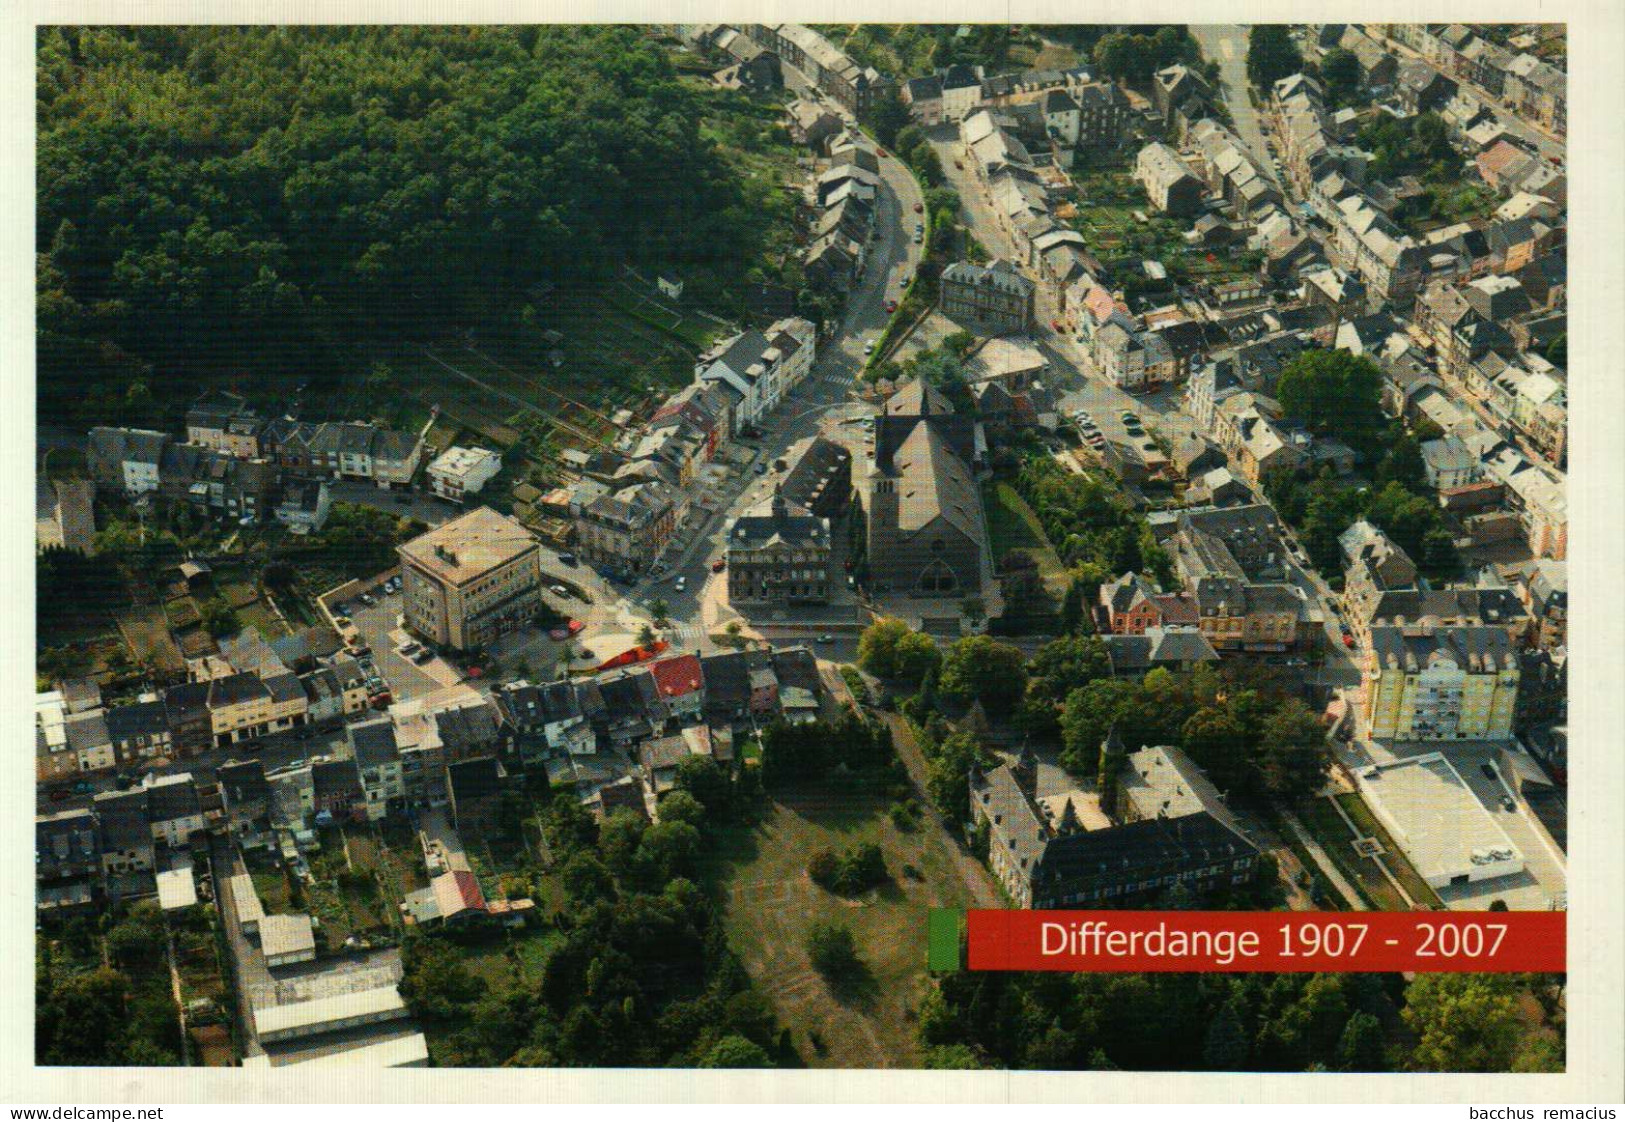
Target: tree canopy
(263, 202)
(1271, 54)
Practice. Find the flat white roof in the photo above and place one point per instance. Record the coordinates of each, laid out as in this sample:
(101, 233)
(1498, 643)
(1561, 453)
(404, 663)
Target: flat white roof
(247, 900)
(1434, 817)
(286, 934)
(177, 888)
(328, 1010)
(399, 1051)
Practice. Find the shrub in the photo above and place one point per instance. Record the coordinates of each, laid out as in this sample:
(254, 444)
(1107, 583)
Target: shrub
(833, 952)
(822, 868)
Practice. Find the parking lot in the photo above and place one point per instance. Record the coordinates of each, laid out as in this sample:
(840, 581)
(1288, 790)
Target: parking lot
(379, 629)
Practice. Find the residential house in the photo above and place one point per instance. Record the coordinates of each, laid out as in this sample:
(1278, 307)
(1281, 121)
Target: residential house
(337, 790)
(89, 740)
(127, 840)
(626, 530)
(1448, 463)
(923, 96)
(246, 795)
(378, 760)
(760, 367)
(125, 460)
(549, 716)
(680, 684)
(1387, 565)
(1169, 183)
(1544, 589)
(174, 809)
(1131, 604)
(139, 731)
(64, 514)
(224, 422)
(304, 506)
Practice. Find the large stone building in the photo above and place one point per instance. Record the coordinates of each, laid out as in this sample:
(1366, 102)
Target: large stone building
(1169, 183)
(1175, 830)
(1445, 683)
(991, 299)
(778, 553)
(924, 514)
(471, 580)
(627, 529)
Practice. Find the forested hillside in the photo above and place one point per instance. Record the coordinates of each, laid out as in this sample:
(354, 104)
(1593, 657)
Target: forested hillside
(260, 205)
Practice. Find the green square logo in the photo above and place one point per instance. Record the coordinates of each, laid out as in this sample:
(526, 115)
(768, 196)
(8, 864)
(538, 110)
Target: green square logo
(943, 940)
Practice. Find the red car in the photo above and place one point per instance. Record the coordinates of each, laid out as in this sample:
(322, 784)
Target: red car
(1056, 324)
(919, 208)
(883, 153)
(890, 305)
(718, 565)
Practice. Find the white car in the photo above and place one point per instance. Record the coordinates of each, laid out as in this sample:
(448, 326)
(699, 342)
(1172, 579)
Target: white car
(560, 590)
(869, 347)
(682, 583)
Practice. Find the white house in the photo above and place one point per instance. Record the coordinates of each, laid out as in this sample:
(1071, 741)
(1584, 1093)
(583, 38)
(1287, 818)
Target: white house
(459, 472)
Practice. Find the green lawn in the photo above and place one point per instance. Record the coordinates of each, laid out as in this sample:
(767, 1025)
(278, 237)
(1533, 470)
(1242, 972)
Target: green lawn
(1333, 834)
(1011, 524)
(770, 904)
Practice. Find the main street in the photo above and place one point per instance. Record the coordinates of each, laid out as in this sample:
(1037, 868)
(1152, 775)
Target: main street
(1227, 43)
(893, 258)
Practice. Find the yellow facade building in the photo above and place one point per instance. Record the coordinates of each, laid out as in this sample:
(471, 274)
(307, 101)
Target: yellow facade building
(1446, 683)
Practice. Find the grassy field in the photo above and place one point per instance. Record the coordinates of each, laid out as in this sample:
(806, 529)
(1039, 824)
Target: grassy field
(770, 904)
(1333, 834)
(1011, 524)
(1395, 858)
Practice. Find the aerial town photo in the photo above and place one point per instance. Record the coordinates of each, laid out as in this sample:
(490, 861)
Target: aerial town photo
(566, 546)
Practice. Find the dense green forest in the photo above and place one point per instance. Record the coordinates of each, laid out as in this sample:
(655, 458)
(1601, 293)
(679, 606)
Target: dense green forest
(260, 205)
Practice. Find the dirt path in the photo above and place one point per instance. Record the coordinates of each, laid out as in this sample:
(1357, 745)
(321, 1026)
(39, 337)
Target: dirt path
(978, 881)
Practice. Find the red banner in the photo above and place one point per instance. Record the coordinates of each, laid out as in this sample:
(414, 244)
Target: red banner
(1270, 942)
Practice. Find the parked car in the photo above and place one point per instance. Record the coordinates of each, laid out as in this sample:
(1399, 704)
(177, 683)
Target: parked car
(559, 590)
(890, 305)
(718, 565)
(1060, 328)
(826, 637)
(423, 656)
(919, 208)
(869, 347)
(919, 237)
(1507, 804)
(761, 469)
(360, 650)
(366, 598)
(682, 583)
(1489, 771)
(567, 559)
